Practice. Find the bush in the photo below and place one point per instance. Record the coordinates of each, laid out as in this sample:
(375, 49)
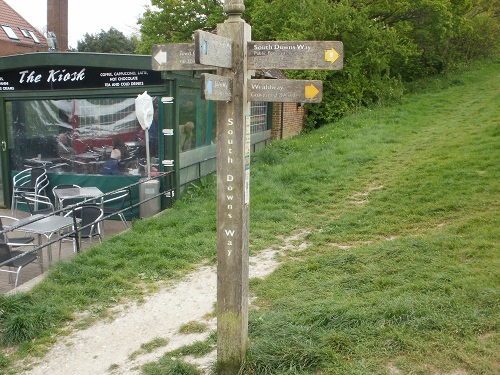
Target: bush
(385, 44)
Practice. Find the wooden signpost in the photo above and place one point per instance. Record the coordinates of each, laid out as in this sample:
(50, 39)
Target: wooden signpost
(215, 87)
(295, 55)
(235, 56)
(179, 56)
(285, 90)
(211, 49)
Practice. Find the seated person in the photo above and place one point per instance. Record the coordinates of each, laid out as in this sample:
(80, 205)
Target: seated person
(64, 149)
(112, 165)
(120, 145)
(186, 139)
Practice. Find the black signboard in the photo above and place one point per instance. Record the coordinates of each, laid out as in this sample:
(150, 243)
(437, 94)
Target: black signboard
(75, 77)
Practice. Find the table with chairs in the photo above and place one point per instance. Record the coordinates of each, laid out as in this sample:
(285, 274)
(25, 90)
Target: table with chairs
(63, 195)
(63, 202)
(47, 226)
(75, 213)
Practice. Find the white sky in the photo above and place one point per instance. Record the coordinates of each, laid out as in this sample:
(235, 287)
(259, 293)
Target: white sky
(86, 16)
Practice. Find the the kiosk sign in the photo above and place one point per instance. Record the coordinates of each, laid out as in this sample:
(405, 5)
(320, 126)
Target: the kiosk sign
(75, 77)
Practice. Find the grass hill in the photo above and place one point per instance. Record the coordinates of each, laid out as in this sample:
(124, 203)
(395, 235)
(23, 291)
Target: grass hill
(399, 209)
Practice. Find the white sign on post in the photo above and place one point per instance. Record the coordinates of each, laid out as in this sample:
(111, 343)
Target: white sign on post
(144, 111)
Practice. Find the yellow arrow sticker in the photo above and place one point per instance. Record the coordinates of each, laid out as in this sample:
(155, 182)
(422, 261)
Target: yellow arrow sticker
(331, 55)
(311, 91)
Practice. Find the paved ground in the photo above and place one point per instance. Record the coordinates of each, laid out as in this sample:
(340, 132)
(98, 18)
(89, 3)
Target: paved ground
(30, 274)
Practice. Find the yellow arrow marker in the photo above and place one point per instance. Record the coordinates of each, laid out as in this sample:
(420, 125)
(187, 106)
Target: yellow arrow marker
(311, 91)
(331, 55)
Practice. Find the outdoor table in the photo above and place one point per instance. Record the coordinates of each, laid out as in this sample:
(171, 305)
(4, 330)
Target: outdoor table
(87, 156)
(45, 226)
(77, 193)
(35, 162)
(87, 162)
(103, 151)
(135, 144)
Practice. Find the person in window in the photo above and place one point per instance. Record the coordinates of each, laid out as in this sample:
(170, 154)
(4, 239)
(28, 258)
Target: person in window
(153, 134)
(112, 165)
(186, 139)
(120, 145)
(64, 149)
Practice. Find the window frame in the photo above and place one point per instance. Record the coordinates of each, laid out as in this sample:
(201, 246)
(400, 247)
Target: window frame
(9, 31)
(34, 37)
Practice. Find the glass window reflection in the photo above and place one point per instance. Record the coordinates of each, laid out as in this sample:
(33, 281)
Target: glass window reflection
(76, 135)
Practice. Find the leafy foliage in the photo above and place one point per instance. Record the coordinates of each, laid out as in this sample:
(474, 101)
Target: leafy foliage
(174, 21)
(111, 41)
(387, 43)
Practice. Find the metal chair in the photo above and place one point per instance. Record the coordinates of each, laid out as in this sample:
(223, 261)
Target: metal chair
(6, 254)
(114, 204)
(31, 180)
(13, 241)
(90, 215)
(38, 204)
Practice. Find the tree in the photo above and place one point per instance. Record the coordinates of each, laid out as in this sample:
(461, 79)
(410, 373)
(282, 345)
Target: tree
(386, 42)
(112, 41)
(174, 21)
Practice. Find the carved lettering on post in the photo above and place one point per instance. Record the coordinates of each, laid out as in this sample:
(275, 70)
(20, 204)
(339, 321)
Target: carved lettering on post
(233, 162)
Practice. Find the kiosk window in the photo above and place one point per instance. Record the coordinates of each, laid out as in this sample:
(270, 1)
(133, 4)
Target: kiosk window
(75, 135)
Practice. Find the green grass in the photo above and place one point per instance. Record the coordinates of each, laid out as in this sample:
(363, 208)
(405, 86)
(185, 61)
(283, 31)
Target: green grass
(411, 192)
(193, 327)
(148, 347)
(400, 205)
(172, 363)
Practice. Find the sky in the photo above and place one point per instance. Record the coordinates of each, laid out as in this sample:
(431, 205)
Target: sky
(86, 16)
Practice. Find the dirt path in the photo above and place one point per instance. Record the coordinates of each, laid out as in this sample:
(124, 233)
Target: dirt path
(106, 346)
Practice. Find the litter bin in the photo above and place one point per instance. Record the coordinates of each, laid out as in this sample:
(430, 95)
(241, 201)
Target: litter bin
(148, 189)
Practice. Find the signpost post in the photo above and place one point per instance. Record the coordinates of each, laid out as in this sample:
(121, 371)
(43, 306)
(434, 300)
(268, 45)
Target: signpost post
(235, 56)
(233, 199)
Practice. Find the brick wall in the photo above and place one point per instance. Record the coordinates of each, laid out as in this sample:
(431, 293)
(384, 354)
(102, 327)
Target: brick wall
(57, 22)
(12, 48)
(288, 120)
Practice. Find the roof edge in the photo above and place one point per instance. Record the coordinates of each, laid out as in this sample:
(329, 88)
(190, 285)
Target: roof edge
(76, 59)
